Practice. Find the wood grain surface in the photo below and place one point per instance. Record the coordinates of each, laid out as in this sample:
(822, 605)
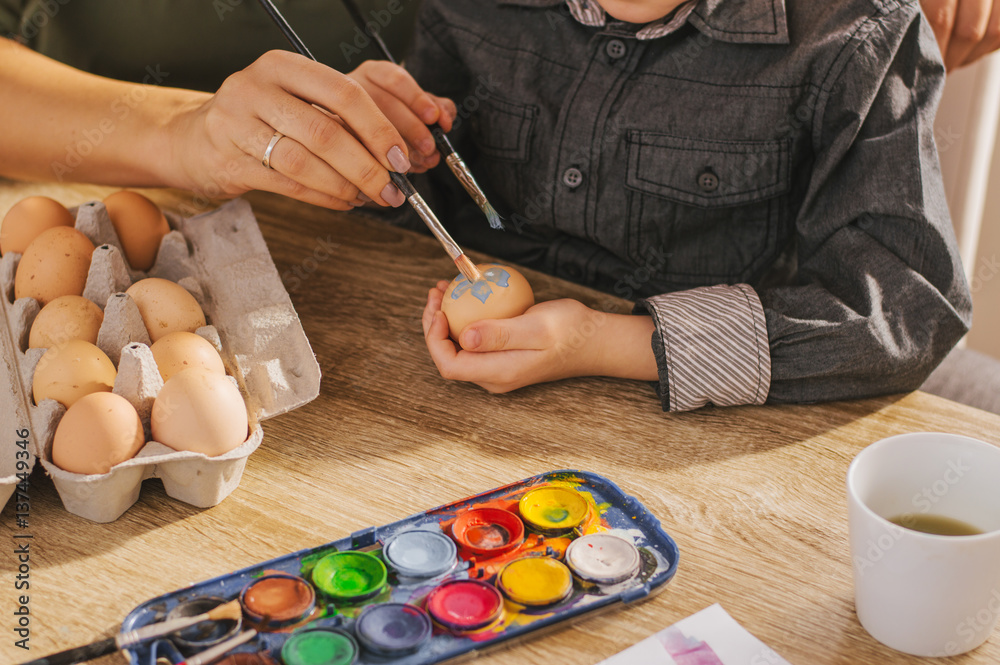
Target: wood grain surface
(754, 496)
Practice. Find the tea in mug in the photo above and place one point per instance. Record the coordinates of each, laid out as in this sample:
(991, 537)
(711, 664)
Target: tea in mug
(938, 525)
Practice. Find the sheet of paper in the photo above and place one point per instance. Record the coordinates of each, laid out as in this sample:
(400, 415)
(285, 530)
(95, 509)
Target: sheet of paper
(710, 637)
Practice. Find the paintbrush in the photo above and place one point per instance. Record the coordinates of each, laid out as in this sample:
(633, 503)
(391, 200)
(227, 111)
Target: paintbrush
(465, 266)
(230, 611)
(451, 156)
(219, 650)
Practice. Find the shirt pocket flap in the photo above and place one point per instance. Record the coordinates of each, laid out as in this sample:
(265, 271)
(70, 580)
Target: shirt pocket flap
(711, 174)
(502, 129)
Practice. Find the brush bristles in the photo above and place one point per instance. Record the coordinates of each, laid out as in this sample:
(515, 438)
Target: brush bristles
(468, 268)
(493, 217)
(229, 611)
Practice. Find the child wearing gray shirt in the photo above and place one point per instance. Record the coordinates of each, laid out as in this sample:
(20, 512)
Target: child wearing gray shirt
(761, 175)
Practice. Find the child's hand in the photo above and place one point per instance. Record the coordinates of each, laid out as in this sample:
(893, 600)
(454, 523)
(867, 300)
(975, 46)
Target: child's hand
(553, 340)
(407, 107)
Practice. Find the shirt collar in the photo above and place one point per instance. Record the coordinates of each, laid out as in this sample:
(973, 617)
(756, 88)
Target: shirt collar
(590, 13)
(734, 21)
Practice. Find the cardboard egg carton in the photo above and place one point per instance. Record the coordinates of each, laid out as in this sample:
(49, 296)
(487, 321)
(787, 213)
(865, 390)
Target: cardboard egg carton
(221, 259)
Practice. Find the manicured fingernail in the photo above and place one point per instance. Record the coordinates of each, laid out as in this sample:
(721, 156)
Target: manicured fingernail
(426, 147)
(392, 196)
(473, 339)
(364, 197)
(398, 160)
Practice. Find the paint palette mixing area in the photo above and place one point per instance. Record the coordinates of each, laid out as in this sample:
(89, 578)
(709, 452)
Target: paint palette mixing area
(431, 587)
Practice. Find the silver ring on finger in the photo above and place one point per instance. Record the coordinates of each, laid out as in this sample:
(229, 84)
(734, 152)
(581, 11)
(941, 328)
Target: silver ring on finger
(266, 161)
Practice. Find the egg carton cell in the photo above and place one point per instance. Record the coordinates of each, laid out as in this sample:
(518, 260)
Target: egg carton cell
(220, 258)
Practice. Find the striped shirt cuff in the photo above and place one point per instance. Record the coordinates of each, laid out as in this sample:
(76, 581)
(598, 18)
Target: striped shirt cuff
(714, 347)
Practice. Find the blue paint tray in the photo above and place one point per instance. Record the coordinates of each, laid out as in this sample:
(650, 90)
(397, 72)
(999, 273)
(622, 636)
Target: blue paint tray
(482, 544)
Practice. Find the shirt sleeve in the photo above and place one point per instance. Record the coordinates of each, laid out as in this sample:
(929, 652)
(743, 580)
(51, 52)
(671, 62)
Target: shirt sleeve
(711, 346)
(879, 296)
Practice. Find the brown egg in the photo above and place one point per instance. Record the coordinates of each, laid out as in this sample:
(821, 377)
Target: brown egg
(63, 319)
(140, 226)
(99, 431)
(54, 264)
(200, 411)
(69, 371)
(166, 307)
(501, 294)
(182, 350)
(27, 219)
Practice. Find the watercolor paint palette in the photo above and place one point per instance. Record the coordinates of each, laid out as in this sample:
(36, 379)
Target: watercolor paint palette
(440, 584)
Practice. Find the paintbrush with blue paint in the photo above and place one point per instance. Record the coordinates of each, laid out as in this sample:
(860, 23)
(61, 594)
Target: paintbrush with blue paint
(451, 156)
(464, 264)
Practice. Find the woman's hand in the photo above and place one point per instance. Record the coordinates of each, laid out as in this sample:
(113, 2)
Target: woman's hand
(966, 30)
(408, 107)
(553, 340)
(337, 144)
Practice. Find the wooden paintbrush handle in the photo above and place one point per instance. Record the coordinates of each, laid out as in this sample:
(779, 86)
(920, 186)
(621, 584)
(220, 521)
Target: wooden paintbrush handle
(78, 654)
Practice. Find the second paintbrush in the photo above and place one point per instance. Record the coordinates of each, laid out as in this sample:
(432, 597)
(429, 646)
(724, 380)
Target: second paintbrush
(451, 157)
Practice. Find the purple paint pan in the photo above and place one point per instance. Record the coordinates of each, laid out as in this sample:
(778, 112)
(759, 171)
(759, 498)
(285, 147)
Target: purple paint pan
(393, 629)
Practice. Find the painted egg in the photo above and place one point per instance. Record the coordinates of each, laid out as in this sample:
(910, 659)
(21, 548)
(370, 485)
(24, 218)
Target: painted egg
(181, 350)
(28, 219)
(71, 370)
(166, 307)
(501, 294)
(200, 411)
(64, 319)
(99, 431)
(54, 264)
(140, 226)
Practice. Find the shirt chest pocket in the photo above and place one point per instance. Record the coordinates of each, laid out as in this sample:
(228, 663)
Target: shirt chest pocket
(717, 210)
(502, 132)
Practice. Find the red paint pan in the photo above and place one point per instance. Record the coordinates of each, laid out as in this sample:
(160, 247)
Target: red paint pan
(488, 531)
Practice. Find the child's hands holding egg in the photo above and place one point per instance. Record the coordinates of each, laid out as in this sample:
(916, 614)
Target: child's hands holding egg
(552, 340)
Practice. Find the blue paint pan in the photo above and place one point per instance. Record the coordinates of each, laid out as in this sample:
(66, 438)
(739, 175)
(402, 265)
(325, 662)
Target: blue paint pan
(392, 629)
(420, 553)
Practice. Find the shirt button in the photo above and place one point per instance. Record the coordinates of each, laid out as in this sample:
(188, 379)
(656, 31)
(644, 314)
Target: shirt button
(572, 177)
(615, 48)
(708, 181)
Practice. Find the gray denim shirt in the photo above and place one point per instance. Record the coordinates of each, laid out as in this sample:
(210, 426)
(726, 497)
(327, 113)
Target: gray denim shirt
(787, 145)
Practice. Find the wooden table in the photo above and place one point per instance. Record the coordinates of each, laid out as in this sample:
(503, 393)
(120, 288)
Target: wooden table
(753, 496)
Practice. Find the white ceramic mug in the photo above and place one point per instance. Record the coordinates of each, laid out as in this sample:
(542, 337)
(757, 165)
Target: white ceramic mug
(919, 593)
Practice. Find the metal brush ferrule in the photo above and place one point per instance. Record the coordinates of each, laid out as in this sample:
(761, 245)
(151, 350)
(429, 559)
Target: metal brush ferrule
(465, 177)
